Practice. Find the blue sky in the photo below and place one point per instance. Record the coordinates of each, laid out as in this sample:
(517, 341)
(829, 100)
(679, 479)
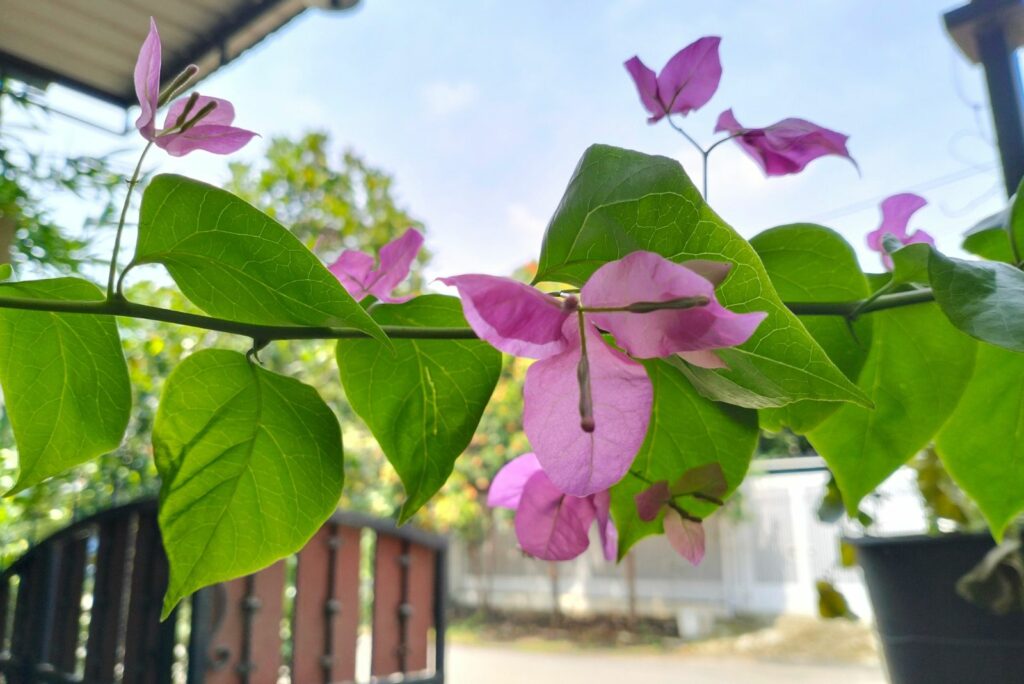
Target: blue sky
(482, 109)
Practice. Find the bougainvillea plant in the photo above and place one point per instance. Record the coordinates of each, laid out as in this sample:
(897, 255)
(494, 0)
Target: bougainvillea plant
(663, 342)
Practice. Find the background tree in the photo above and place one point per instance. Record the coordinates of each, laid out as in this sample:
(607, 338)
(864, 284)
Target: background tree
(32, 180)
(335, 201)
(330, 202)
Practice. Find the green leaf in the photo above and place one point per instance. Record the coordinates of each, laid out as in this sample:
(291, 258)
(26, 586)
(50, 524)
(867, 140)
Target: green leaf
(235, 262)
(985, 299)
(989, 237)
(810, 263)
(752, 388)
(251, 464)
(64, 379)
(981, 444)
(5, 271)
(910, 265)
(686, 431)
(914, 373)
(423, 400)
(620, 201)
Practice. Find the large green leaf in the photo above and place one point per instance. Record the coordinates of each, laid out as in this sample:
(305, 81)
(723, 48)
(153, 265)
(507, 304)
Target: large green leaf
(64, 379)
(686, 431)
(810, 263)
(234, 261)
(251, 464)
(915, 371)
(981, 445)
(620, 201)
(423, 400)
(985, 299)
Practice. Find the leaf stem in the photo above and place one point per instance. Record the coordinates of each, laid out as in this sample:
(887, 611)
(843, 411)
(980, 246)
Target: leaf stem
(683, 512)
(880, 292)
(120, 224)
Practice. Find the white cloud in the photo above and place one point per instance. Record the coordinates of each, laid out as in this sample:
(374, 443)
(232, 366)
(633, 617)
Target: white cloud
(442, 98)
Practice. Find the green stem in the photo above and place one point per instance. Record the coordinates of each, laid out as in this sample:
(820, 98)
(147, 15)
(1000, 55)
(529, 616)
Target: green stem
(649, 307)
(880, 292)
(861, 306)
(703, 153)
(116, 307)
(120, 224)
(127, 309)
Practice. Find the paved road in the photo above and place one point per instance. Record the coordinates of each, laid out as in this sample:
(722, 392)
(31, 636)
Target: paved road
(497, 665)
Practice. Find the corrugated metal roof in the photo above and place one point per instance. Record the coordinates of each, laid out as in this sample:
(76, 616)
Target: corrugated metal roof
(91, 45)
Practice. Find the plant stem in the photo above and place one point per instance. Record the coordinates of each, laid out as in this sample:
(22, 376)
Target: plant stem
(120, 224)
(583, 378)
(117, 307)
(127, 309)
(861, 306)
(880, 292)
(649, 307)
(703, 153)
(683, 512)
(723, 140)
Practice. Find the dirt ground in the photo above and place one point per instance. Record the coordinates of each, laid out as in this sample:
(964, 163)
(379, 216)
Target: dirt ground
(788, 639)
(508, 664)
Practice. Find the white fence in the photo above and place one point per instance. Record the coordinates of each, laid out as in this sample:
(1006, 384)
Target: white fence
(764, 553)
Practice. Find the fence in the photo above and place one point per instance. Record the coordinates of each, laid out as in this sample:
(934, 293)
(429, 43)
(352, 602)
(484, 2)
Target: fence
(764, 553)
(83, 607)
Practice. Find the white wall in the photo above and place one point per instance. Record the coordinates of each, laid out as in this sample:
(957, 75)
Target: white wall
(765, 551)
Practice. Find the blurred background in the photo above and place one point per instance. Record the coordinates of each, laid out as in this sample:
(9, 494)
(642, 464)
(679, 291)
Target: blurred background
(466, 121)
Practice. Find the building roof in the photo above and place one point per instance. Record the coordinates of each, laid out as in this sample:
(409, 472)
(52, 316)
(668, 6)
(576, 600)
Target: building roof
(91, 45)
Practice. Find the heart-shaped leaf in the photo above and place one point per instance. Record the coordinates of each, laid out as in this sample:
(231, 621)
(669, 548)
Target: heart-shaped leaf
(64, 378)
(423, 400)
(251, 464)
(985, 299)
(914, 373)
(810, 263)
(234, 261)
(981, 444)
(619, 201)
(686, 431)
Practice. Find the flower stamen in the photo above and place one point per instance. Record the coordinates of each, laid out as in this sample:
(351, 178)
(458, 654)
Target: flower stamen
(583, 378)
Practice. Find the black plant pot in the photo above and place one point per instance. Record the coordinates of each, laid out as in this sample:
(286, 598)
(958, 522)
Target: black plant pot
(930, 634)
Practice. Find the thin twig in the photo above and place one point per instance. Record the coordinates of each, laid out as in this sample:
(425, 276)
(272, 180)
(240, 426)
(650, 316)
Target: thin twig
(120, 224)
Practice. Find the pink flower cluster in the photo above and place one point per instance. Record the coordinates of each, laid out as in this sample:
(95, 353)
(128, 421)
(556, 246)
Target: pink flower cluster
(689, 80)
(586, 401)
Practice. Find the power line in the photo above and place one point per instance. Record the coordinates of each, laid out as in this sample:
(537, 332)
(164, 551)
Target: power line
(963, 174)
